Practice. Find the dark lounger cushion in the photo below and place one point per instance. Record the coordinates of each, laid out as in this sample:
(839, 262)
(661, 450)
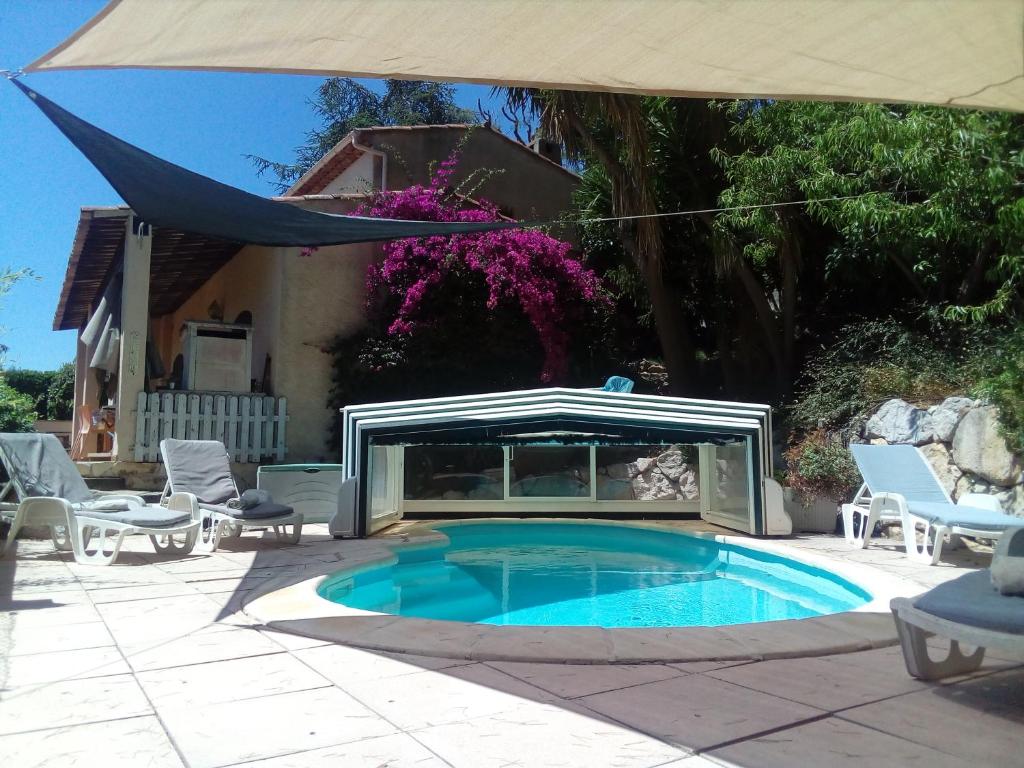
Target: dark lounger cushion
(972, 600)
(151, 516)
(259, 512)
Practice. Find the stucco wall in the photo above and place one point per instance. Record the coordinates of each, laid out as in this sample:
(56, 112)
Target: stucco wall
(525, 185)
(250, 281)
(322, 296)
(357, 178)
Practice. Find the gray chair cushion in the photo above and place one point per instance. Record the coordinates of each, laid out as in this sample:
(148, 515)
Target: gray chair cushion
(150, 516)
(39, 466)
(972, 600)
(199, 467)
(969, 517)
(259, 512)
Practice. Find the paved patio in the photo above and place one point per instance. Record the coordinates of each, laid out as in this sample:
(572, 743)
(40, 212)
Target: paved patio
(149, 663)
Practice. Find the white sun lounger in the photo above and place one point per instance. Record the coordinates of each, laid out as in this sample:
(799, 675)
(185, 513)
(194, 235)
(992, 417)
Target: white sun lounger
(966, 610)
(200, 470)
(49, 491)
(900, 485)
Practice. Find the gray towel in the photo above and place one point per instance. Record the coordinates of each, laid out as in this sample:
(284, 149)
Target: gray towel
(249, 499)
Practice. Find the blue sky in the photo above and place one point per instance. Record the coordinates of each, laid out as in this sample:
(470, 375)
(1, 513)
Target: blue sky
(204, 121)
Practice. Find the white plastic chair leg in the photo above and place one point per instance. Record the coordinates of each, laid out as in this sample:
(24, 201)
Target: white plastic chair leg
(168, 543)
(86, 554)
(283, 537)
(211, 531)
(858, 534)
(61, 537)
(930, 549)
(913, 640)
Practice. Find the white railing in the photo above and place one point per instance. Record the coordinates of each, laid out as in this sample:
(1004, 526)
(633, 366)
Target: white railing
(252, 427)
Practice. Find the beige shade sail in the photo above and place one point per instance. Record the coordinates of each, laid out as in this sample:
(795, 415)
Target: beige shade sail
(956, 52)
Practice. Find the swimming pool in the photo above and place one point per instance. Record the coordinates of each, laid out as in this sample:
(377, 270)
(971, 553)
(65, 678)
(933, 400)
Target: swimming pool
(590, 574)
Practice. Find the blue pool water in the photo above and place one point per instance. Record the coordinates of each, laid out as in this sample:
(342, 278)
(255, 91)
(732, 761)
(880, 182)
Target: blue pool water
(565, 574)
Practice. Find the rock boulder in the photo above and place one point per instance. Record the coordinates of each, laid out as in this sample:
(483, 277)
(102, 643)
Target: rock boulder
(946, 416)
(979, 449)
(942, 462)
(897, 421)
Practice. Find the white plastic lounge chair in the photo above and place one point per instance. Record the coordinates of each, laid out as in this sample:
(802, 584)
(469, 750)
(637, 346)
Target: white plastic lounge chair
(899, 484)
(200, 470)
(48, 491)
(966, 610)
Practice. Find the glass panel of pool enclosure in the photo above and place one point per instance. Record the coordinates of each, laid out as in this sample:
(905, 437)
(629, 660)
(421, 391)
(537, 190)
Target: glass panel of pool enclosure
(563, 452)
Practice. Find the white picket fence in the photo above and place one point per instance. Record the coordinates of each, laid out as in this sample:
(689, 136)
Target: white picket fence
(252, 427)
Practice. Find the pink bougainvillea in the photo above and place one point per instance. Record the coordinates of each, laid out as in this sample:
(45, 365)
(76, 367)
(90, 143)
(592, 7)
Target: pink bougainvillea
(525, 266)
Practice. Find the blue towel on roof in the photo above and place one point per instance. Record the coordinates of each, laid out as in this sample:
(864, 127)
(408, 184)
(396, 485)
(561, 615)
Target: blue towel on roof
(618, 384)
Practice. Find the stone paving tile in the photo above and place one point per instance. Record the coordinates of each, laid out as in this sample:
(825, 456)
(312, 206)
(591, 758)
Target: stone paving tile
(144, 592)
(571, 681)
(37, 668)
(219, 682)
(71, 702)
(695, 711)
(52, 616)
(544, 736)
(269, 726)
(25, 640)
(140, 623)
(826, 683)
(696, 667)
(972, 727)
(396, 751)
(835, 743)
(453, 695)
(129, 743)
(289, 641)
(214, 643)
(345, 665)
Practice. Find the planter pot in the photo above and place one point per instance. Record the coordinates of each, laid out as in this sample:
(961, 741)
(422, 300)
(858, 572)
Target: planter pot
(813, 516)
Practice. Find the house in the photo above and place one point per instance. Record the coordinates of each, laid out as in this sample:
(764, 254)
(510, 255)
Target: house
(187, 336)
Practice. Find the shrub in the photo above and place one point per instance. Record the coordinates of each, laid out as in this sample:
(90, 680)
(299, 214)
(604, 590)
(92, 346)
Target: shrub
(876, 360)
(60, 394)
(820, 465)
(16, 411)
(1000, 380)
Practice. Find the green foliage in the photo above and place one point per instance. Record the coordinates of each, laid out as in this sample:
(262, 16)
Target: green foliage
(60, 394)
(875, 360)
(1000, 380)
(937, 209)
(16, 411)
(820, 465)
(344, 105)
(52, 393)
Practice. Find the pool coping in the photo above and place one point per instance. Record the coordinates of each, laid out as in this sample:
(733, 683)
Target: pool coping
(297, 608)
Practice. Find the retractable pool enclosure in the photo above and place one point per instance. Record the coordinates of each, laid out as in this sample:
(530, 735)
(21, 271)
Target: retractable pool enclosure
(563, 452)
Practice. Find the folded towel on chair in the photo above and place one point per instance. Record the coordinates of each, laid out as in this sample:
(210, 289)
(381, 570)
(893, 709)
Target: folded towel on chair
(249, 499)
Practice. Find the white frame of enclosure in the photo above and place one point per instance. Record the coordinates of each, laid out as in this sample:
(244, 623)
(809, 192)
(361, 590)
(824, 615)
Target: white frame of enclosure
(723, 419)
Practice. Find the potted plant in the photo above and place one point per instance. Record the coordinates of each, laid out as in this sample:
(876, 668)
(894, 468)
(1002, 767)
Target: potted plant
(821, 474)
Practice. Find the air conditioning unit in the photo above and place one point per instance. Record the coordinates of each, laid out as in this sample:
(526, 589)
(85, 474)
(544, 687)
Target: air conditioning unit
(218, 357)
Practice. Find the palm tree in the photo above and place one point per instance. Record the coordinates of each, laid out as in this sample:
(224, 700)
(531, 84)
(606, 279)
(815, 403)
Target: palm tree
(613, 129)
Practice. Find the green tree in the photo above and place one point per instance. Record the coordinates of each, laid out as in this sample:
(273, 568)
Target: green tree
(344, 105)
(16, 411)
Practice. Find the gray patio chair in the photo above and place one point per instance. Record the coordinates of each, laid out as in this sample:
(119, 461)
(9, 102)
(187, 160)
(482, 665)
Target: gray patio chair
(967, 610)
(899, 484)
(201, 471)
(48, 491)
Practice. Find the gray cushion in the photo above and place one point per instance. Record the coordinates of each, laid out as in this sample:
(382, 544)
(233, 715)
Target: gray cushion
(199, 467)
(972, 600)
(259, 512)
(898, 469)
(150, 516)
(39, 466)
(969, 517)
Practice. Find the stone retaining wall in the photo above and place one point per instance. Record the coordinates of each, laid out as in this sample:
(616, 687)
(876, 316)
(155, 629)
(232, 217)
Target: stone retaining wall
(960, 438)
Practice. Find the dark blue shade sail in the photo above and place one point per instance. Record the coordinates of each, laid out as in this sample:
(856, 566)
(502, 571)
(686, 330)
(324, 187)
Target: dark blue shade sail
(166, 195)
